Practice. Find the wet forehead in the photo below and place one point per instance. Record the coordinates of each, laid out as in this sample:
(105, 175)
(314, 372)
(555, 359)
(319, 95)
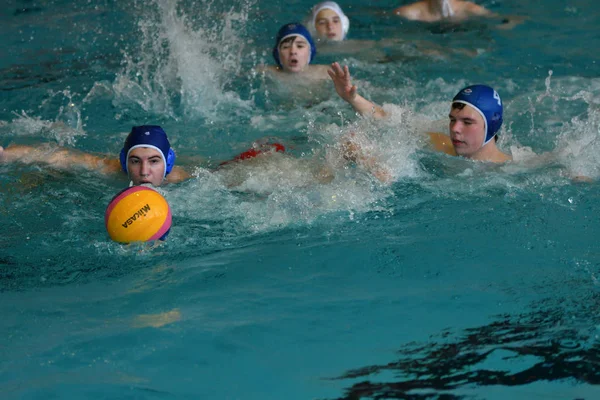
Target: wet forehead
(298, 40)
(145, 153)
(467, 112)
(326, 14)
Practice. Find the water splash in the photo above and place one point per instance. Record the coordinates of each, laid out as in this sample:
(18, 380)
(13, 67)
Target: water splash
(66, 127)
(183, 64)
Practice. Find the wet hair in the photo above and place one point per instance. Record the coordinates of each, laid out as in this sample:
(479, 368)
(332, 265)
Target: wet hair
(457, 105)
(290, 39)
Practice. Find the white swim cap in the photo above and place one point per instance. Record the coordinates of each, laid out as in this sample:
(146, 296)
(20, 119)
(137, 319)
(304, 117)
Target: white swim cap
(326, 5)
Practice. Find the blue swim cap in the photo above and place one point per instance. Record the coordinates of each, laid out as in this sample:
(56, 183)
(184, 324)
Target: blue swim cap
(487, 102)
(152, 136)
(289, 30)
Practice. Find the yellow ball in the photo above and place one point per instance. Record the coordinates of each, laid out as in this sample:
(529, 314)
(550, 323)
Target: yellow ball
(138, 214)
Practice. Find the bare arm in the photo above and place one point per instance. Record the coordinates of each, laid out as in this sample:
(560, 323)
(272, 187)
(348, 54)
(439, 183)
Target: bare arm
(62, 158)
(347, 91)
(59, 158)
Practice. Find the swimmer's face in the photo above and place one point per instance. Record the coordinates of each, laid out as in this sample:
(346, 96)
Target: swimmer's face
(467, 130)
(294, 54)
(145, 165)
(329, 25)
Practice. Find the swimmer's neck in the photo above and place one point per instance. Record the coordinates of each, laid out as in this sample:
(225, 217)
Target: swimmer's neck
(490, 153)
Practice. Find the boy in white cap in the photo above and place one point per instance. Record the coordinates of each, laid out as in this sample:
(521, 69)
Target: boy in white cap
(327, 21)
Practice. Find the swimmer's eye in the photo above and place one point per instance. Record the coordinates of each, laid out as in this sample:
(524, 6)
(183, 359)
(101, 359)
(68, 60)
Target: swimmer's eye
(336, 20)
(155, 161)
(134, 161)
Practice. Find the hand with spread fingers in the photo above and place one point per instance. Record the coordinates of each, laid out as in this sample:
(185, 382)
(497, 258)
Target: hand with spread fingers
(341, 80)
(346, 90)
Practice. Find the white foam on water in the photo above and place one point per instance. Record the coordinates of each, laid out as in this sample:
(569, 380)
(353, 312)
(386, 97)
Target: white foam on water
(183, 62)
(65, 128)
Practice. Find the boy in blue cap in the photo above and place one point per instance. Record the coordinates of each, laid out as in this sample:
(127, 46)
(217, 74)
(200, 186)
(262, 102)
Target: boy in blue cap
(146, 157)
(475, 119)
(294, 51)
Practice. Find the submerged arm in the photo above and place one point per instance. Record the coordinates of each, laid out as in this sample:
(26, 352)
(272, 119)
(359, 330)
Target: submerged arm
(355, 153)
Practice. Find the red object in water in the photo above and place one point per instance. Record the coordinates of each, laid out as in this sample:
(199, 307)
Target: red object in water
(278, 147)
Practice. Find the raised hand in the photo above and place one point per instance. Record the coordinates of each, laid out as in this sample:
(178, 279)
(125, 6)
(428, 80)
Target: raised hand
(341, 80)
(347, 91)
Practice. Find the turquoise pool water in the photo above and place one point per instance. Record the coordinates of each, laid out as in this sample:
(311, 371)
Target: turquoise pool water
(458, 281)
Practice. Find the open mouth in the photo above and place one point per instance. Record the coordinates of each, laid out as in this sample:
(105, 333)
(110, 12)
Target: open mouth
(293, 62)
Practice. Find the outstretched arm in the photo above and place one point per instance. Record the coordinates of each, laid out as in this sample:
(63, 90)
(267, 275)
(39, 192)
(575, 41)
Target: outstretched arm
(62, 158)
(347, 91)
(59, 158)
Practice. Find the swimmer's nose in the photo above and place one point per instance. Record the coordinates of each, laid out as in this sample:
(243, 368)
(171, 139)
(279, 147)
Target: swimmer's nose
(145, 170)
(455, 127)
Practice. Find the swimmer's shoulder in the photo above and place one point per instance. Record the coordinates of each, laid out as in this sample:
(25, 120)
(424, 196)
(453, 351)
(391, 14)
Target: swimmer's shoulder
(178, 174)
(502, 157)
(442, 143)
(412, 12)
(319, 71)
(467, 9)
